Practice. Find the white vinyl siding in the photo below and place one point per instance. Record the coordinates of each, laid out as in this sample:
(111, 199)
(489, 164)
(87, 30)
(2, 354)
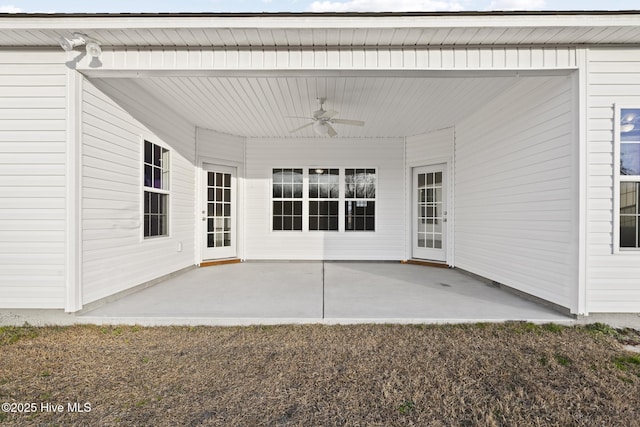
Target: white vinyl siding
(429, 148)
(32, 179)
(385, 155)
(115, 256)
(515, 193)
(295, 58)
(220, 146)
(613, 279)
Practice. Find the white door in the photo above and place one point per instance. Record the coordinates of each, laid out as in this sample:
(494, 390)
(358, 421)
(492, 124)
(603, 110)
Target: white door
(219, 212)
(430, 213)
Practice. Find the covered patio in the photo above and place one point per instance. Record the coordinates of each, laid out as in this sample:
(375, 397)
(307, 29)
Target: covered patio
(320, 292)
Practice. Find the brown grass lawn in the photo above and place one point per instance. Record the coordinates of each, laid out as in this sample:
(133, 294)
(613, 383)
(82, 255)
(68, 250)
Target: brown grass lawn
(512, 374)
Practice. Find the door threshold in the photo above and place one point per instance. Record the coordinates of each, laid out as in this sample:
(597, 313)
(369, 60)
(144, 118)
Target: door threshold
(426, 263)
(210, 263)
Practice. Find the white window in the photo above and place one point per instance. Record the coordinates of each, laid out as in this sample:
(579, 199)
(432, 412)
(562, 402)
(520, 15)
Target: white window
(324, 194)
(287, 199)
(628, 173)
(156, 190)
(360, 199)
(319, 192)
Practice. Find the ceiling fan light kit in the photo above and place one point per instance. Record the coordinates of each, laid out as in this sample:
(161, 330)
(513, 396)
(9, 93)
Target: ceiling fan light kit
(322, 120)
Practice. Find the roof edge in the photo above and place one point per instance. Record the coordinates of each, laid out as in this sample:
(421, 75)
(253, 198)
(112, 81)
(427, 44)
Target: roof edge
(319, 14)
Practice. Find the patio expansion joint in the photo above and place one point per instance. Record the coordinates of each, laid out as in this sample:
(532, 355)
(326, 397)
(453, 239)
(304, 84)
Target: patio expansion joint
(323, 289)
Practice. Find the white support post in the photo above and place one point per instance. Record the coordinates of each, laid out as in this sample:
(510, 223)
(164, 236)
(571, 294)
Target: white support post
(73, 252)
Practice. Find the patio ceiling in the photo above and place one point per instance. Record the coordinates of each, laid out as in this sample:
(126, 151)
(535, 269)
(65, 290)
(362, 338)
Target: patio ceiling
(257, 106)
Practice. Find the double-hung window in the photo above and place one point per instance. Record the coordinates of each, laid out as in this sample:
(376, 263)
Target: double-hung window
(287, 199)
(324, 196)
(629, 173)
(156, 190)
(360, 200)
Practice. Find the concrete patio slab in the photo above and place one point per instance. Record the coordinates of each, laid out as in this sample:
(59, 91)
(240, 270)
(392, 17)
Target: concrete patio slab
(393, 291)
(319, 292)
(248, 290)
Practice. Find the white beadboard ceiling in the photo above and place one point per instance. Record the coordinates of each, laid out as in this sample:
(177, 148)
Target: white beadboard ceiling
(257, 106)
(325, 30)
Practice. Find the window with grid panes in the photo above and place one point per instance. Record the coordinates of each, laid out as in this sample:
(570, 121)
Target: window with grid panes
(287, 199)
(323, 199)
(156, 190)
(629, 128)
(360, 199)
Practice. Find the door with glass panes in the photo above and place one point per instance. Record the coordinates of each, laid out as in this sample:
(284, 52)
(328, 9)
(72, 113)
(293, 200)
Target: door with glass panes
(219, 212)
(430, 213)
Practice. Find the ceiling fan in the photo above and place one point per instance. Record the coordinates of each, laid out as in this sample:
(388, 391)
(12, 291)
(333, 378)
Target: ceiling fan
(323, 119)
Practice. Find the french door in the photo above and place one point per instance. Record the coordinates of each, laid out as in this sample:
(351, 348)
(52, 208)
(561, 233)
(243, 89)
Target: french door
(430, 213)
(219, 212)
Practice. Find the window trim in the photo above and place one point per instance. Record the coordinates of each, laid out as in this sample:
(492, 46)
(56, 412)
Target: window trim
(618, 178)
(145, 189)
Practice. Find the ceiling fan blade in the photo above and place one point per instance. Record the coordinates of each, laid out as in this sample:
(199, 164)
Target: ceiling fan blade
(348, 122)
(301, 127)
(332, 131)
(297, 117)
(328, 114)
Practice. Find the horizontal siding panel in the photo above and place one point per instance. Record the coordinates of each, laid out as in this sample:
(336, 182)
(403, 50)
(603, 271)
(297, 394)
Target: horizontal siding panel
(28, 103)
(33, 124)
(31, 147)
(31, 135)
(32, 181)
(37, 193)
(24, 250)
(31, 158)
(47, 79)
(31, 214)
(27, 114)
(10, 236)
(35, 92)
(28, 203)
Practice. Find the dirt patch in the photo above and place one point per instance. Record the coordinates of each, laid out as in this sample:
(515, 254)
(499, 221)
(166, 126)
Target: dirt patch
(384, 375)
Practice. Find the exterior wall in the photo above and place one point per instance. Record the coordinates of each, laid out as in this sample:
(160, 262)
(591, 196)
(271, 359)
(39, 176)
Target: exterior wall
(32, 179)
(115, 256)
(386, 243)
(432, 147)
(515, 215)
(613, 280)
(221, 146)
